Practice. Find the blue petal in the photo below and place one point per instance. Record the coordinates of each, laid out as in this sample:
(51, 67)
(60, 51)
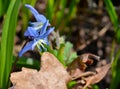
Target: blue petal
(38, 17)
(36, 25)
(27, 47)
(31, 32)
(46, 34)
(43, 29)
(46, 40)
(35, 43)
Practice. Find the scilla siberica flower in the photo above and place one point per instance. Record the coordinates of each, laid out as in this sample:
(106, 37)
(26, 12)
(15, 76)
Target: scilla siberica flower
(37, 32)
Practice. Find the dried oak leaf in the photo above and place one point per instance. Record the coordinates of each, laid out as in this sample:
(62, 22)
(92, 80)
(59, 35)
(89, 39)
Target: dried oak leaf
(52, 75)
(101, 72)
(89, 57)
(77, 68)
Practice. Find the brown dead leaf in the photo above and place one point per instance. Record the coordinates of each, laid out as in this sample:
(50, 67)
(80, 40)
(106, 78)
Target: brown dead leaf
(101, 72)
(88, 57)
(77, 68)
(88, 73)
(51, 76)
(83, 77)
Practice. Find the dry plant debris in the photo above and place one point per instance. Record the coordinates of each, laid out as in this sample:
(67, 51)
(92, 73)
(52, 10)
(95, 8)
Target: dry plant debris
(78, 66)
(84, 78)
(52, 75)
(100, 74)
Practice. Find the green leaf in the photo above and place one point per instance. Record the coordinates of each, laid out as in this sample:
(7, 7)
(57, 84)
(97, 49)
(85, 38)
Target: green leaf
(112, 13)
(115, 71)
(61, 55)
(95, 87)
(4, 6)
(7, 42)
(50, 9)
(71, 84)
(64, 54)
(58, 53)
(68, 47)
(114, 18)
(72, 10)
(27, 62)
(53, 51)
(1, 8)
(115, 81)
(68, 54)
(61, 12)
(117, 35)
(71, 58)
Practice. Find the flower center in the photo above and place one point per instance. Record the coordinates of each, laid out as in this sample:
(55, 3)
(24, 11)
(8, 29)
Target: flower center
(40, 43)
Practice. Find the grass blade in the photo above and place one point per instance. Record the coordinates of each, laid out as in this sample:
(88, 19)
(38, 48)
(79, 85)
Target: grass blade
(3, 6)
(7, 42)
(112, 13)
(114, 18)
(49, 11)
(27, 62)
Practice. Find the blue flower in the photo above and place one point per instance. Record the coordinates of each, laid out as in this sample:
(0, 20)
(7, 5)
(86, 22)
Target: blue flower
(38, 17)
(37, 32)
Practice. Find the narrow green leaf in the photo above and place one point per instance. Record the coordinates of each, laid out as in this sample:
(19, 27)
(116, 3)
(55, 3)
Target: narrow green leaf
(72, 8)
(3, 6)
(61, 55)
(7, 42)
(6, 4)
(50, 9)
(115, 81)
(27, 62)
(53, 51)
(71, 84)
(115, 71)
(114, 18)
(95, 87)
(60, 14)
(112, 13)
